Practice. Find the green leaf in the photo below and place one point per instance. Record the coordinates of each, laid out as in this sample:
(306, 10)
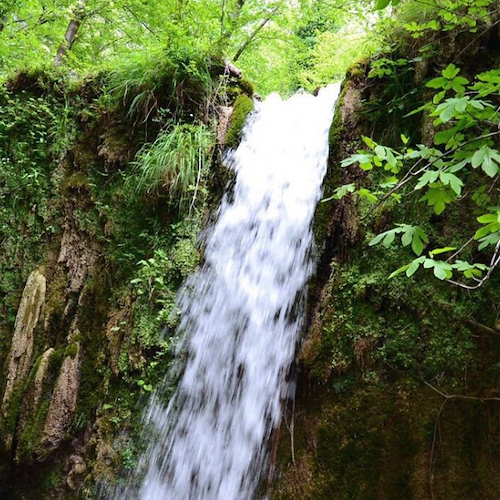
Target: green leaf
(427, 178)
(451, 108)
(470, 270)
(399, 271)
(412, 269)
(488, 159)
(407, 238)
(389, 182)
(369, 142)
(386, 236)
(490, 240)
(380, 152)
(382, 4)
(452, 180)
(439, 272)
(450, 72)
(340, 192)
(389, 238)
(438, 198)
(367, 195)
(364, 160)
(487, 218)
(436, 83)
(438, 251)
(391, 160)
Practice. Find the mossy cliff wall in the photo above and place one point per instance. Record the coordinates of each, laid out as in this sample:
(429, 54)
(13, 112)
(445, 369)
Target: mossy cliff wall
(398, 392)
(99, 262)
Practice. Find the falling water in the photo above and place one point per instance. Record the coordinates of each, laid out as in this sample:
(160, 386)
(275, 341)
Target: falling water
(241, 318)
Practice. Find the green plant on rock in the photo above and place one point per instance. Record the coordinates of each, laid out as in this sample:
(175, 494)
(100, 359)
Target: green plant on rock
(152, 275)
(175, 163)
(169, 77)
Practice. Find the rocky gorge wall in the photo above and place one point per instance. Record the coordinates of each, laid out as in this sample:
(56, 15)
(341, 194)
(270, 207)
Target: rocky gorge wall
(89, 269)
(397, 380)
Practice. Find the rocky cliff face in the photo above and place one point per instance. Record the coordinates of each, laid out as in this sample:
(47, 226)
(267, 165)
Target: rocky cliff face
(398, 393)
(89, 269)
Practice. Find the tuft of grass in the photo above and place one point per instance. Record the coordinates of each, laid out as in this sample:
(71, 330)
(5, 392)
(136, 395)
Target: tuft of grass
(149, 81)
(175, 163)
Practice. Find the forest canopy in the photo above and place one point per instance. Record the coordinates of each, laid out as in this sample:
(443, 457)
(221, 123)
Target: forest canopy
(281, 45)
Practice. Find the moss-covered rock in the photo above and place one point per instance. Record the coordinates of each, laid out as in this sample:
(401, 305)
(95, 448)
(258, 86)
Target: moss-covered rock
(242, 107)
(397, 379)
(112, 262)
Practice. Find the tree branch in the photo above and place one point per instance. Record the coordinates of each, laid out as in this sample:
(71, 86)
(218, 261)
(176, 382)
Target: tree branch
(254, 33)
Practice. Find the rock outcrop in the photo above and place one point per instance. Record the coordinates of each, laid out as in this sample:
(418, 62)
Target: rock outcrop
(21, 352)
(63, 403)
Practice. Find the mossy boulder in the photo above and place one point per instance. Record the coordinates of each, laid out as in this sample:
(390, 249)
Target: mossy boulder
(243, 106)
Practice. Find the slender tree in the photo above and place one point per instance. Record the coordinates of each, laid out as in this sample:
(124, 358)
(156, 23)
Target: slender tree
(71, 32)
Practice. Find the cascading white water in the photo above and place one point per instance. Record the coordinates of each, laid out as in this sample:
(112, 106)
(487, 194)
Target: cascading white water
(240, 317)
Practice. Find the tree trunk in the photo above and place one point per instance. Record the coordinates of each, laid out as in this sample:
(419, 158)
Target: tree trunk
(71, 33)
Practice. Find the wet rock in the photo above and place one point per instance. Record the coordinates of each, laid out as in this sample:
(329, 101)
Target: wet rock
(40, 376)
(117, 330)
(421, 70)
(63, 402)
(79, 254)
(78, 469)
(224, 113)
(20, 356)
(427, 130)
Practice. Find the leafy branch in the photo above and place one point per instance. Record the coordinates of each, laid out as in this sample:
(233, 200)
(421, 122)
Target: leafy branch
(437, 175)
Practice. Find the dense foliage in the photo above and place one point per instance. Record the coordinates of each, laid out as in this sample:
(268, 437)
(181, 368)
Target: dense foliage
(458, 164)
(281, 45)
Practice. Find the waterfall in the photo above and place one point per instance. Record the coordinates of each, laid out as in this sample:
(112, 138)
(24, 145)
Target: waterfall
(242, 311)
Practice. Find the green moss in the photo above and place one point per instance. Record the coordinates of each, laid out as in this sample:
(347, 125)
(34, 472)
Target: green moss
(242, 107)
(373, 441)
(53, 479)
(56, 360)
(357, 70)
(247, 86)
(335, 131)
(78, 180)
(12, 411)
(71, 350)
(94, 369)
(81, 183)
(30, 438)
(332, 177)
(185, 257)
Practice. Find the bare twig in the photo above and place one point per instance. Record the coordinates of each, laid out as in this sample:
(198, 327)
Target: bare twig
(467, 243)
(495, 260)
(475, 324)
(447, 397)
